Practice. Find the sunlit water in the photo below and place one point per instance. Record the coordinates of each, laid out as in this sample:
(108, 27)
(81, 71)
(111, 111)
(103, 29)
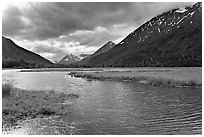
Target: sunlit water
(108, 107)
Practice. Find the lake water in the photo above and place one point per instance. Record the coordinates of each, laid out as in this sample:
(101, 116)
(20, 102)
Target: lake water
(108, 107)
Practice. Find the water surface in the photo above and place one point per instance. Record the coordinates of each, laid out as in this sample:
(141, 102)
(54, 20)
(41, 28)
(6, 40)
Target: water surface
(108, 107)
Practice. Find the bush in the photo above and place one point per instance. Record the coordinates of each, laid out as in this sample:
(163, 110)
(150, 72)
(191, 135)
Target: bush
(6, 90)
(26, 104)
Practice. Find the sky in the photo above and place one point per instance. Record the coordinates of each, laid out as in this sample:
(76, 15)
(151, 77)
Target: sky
(54, 30)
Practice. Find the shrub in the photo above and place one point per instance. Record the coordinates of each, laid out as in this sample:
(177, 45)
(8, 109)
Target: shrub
(26, 104)
(148, 80)
(6, 90)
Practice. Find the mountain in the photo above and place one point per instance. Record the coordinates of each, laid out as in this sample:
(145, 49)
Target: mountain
(82, 56)
(69, 59)
(13, 55)
(106, 47)
(109, 45)
(172, 39)
(72, 59)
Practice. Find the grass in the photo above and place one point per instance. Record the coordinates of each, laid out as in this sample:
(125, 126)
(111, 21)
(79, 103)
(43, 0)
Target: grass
(60, 69)
(20, 104)
(160, 81)
(172, 82)
(6, 90)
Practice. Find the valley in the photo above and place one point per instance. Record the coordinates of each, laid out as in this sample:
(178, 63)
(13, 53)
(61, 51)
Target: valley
(102, 68)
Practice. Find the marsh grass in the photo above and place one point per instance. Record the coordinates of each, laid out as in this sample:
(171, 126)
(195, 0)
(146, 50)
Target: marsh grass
(60, 69)
(73, 96)
(24, 104)
(141, 79)
(6, 90)
(172, 82)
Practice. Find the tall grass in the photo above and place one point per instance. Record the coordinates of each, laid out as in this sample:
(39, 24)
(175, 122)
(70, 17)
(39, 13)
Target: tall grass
(6, 90)
(141, 79)
(61, 69)
(20, 104)
(172, 82)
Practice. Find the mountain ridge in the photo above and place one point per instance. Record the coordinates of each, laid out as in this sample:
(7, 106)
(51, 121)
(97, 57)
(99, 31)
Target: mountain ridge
(14, 55)
(103, 49)
(72, 59)
(173, 38)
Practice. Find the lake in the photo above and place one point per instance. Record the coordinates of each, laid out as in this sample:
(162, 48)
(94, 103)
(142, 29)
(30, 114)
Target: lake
(116, 108)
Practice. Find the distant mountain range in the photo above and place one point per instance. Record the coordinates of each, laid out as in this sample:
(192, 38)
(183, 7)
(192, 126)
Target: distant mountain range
(72, 59)
(173, 38)
(106, 47)
(14, 56)
(83, 58)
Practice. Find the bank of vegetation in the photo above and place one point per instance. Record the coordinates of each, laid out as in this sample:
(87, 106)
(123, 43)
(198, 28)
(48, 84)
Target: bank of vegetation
(19, 105)
(149, 80)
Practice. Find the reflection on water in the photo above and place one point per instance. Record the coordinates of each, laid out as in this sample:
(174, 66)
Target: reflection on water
(107, 107)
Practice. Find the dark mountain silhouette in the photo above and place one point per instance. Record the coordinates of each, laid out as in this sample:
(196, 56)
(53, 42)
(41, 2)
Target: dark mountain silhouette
(173, 38)
(106, 47)
(13, 55)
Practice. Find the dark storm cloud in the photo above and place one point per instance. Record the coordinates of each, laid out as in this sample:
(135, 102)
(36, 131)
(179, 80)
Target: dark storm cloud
(12, 22)
(39, 21)
(50, 20)
(97, 37)
(55, 29)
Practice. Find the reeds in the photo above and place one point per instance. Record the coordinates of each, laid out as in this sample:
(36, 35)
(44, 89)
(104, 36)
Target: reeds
(173, 82)
(6, 90)
(24, 104)
(141, 79)
(60, 69)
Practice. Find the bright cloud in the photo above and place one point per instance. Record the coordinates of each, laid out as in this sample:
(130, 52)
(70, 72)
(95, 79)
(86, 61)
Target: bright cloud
(56, 29)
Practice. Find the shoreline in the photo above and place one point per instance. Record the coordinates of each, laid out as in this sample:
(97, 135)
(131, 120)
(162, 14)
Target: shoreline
(21, 106)
(60, 69)
(153, 79)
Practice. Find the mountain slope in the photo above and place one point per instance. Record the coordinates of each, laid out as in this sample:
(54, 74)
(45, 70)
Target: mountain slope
(173, 38)
(18, 55)
(69, 59)
(106, 47)
(82, 56)
(72, 59)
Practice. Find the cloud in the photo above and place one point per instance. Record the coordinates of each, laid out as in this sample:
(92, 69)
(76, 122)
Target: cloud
(55, 49)
(12, 21)
(61, 28)
(40, 21)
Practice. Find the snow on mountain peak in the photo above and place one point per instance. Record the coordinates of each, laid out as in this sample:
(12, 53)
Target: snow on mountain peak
(181, 10)
(71, 58)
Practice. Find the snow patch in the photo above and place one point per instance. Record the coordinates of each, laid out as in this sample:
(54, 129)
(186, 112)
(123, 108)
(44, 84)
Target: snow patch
(180, 20)
(160, 22)
(159, 30)
(192, 13)
(181, 10)
(150, 24)
(122, 42)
